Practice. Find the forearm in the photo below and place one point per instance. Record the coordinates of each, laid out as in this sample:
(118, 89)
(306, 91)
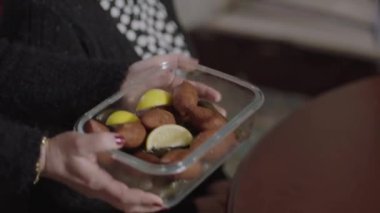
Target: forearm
(19, 152)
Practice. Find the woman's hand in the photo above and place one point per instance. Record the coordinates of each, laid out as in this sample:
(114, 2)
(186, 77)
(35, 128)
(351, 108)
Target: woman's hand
(71, 158)
(159, 72)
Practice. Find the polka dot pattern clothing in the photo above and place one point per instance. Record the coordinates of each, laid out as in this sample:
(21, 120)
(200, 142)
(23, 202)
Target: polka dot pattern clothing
(145, 23)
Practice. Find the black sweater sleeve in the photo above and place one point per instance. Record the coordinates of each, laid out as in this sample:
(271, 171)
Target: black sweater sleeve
(19, 151)
(52, 88)
(58, 60)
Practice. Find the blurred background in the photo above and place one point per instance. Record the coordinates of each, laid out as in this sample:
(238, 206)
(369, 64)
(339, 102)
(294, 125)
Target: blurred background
(293, 50)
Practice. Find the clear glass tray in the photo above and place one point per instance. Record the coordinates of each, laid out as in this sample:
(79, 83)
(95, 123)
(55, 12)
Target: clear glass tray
(240, 99)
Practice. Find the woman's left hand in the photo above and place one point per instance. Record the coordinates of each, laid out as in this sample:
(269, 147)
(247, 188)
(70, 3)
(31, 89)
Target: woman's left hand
(72, 159)
(159, 72)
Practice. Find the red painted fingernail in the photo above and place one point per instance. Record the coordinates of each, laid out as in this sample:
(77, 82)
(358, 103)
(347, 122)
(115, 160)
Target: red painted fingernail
(120, 140)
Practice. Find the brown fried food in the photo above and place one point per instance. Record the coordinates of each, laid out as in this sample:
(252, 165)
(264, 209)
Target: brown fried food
(203, 118)
(157, 117)
(149, 157)
(193, 171)
(93, 125)
(185, 97)
(219, 149)
(134, 134)
(105, 159)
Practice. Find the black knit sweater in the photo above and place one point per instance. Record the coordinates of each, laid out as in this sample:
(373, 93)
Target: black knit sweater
(58, 58)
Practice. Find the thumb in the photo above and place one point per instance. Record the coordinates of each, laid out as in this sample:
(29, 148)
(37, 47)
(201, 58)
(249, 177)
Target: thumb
(101, 142)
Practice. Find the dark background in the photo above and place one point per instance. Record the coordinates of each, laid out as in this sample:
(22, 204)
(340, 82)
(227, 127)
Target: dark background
(279, 65)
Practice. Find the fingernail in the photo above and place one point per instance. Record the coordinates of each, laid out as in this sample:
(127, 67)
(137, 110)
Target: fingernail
(163, 209)
(218, 97)
(120, 140)
(160, 205)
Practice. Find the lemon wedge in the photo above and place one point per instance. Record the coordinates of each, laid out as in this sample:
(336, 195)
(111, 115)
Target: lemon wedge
(121, 117)
(153, 98)
(168, 136)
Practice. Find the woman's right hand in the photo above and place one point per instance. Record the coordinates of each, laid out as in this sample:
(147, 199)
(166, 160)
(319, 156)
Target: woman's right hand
(159, 72)
(71, 158)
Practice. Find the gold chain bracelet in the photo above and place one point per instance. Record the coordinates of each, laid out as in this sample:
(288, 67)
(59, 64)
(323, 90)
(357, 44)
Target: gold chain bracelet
(39, 168)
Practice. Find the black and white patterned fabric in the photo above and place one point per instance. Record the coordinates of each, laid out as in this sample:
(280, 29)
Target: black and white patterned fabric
(146, 24)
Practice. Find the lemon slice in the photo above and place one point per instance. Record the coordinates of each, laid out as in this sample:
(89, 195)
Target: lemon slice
(153, 98)
(168, 136)
(121, 117)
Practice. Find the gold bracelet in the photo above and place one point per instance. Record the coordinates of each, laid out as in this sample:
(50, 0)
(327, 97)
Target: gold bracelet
(44, 142)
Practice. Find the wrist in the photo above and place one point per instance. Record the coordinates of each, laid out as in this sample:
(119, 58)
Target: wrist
(40, 165)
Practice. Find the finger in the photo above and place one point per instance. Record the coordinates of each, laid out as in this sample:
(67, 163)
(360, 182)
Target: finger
(119, 192)
(149, 75)
(141, 198)
(161, 79)
(143, 209)
(116, 203)
(132, 200)
(207, 92)
(186, 63)
(149, 79)
(174, 60)
(97, 183)
(220, 109)
(101, 142)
